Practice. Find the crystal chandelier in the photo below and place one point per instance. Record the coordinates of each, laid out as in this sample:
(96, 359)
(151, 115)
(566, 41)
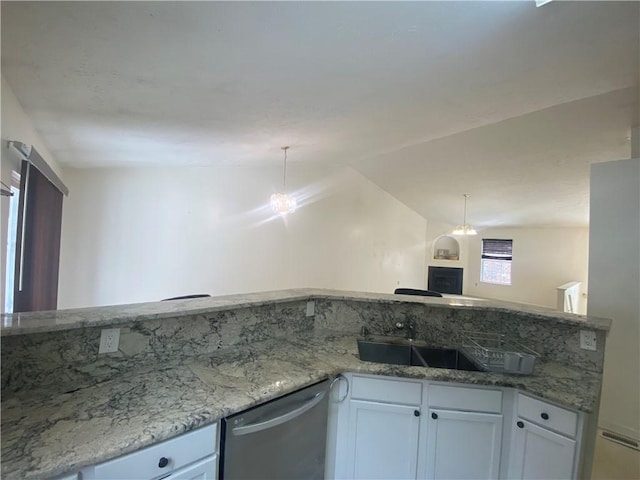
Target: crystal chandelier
(465, 229)
(283, 203)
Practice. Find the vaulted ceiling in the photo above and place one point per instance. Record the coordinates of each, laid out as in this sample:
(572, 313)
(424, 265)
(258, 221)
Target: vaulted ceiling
(429, 100)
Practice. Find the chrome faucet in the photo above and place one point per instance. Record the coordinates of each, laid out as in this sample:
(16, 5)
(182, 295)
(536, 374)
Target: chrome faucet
(409, 328)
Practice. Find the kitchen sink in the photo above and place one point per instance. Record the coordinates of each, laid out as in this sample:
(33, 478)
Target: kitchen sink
(389, 352)
(446, 358)
(404, 352)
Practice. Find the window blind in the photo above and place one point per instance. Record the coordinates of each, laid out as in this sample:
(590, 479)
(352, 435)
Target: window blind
(497, 249)
(38, 243)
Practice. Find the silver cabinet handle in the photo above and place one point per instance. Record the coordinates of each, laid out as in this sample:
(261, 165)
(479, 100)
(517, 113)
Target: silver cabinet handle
(274, 422)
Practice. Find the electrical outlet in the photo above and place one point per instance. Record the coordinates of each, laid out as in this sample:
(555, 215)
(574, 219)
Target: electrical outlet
(109, 339)
(311, 309)
(588, 340)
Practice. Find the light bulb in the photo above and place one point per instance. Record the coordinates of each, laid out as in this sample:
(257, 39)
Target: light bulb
(282, 204)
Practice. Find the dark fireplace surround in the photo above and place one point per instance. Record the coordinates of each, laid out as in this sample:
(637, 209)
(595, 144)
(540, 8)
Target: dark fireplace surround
(445, 280)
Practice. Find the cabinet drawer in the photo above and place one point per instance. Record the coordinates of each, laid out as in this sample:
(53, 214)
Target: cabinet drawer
(388, 390)
(546, 415)
(206, 469)
(179, 452)
(464, 398)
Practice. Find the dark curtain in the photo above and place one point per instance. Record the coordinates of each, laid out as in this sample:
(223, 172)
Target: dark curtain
(38, 242)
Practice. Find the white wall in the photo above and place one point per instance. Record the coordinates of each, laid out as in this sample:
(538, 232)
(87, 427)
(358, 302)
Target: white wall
(543, 259)
(16, 125)
(614, 266)
(133, 235)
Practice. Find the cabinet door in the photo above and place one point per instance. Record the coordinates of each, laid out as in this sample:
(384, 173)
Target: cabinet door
(541, 454)
(463, 445)
(382, 441)
(206, 469)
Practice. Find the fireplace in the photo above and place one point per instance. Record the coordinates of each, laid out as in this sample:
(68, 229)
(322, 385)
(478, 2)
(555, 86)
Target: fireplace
(445, 280)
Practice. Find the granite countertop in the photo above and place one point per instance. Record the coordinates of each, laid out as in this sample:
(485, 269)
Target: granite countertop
(47, 321)
(46, 433)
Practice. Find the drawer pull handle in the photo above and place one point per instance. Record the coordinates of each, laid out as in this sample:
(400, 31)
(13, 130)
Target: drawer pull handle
(520, 424)
(274, 422)
(164, 461)
(416, 413)
(434, 415)
(544, 415)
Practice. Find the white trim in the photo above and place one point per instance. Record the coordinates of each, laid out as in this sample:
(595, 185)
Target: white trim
(30, 154)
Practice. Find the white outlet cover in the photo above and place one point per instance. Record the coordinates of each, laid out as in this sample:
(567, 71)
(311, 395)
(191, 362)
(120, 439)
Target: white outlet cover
(109, 340)
(311, 308)
(588, 340)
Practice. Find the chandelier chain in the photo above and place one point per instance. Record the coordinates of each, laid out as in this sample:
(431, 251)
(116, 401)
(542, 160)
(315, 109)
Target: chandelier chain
(464, 220)
(284, 172)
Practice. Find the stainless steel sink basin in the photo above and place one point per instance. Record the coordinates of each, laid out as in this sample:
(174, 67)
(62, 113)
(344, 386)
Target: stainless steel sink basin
(389, 352)
(446, 358)
(404, 352)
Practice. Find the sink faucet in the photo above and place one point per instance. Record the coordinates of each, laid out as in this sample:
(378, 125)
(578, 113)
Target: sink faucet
(409, 328)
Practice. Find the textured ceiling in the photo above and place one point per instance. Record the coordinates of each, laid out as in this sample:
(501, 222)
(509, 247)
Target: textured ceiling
(502, 100)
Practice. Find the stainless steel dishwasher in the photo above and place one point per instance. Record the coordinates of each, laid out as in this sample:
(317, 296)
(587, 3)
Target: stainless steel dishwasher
(282, 439)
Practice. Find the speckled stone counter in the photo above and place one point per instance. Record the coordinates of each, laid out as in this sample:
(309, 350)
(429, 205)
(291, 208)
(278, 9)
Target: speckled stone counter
(46, 435)
(65, 407)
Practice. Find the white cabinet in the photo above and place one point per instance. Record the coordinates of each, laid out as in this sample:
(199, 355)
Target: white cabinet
(390, 437)
(382, 440)
(206, 469)
(188, 457)
(72, 476)
(539, 453)
(544, 441)
(463, 445)
(392, 428)
(374, 428)
(464, 432)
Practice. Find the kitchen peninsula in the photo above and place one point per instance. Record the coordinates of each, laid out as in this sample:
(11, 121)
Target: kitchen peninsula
(185, 364)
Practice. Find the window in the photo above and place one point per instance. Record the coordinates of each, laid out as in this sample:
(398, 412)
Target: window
(496, 261)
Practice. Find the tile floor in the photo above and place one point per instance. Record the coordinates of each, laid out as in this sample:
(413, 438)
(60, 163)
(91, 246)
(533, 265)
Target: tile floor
(612, 461)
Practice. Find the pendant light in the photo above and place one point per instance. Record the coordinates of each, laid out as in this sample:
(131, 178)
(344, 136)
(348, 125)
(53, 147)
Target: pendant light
(282, 203)
(465, 229)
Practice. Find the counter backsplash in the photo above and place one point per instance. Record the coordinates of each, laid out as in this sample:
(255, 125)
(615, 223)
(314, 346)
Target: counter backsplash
(67, 360)
(555, 342)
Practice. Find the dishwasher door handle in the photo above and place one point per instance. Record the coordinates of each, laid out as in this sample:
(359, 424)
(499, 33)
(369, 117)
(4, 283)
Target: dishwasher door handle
(274, 422)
